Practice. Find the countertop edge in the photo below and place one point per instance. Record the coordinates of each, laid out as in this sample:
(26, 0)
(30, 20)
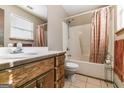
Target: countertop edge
(9, 65)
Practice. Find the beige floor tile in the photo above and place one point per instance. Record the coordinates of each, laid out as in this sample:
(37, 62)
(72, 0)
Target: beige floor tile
(80, 81)
(80, 78)
(89, 85)
(94, 81)
(110, 85)
(75, 75)
(67, 84)
(104, 84)
(73, 86)
(79, 84)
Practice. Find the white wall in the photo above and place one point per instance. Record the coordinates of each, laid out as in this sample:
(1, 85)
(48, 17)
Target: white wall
(65, 35)
(79, 42)
(56, 14)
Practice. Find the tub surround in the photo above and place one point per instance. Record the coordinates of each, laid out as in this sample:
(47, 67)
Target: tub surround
(45, 69)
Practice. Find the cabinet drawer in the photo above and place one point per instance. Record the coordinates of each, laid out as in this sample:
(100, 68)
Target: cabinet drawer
(46, 81)
(59, 72)
(21, 74)
(60, 60)
(60, 83)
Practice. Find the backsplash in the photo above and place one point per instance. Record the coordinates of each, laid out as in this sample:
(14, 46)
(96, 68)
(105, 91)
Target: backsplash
(4, 50)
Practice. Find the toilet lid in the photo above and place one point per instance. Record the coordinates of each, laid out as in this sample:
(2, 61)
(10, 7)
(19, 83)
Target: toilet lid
(71, 65)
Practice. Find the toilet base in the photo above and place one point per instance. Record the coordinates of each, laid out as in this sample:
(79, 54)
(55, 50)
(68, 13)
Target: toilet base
(69, 74)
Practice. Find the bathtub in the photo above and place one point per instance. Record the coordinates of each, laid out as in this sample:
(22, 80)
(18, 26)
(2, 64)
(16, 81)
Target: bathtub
(91, 69)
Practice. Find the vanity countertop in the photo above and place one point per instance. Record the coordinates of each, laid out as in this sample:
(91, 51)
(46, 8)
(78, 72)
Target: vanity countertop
(8, 63)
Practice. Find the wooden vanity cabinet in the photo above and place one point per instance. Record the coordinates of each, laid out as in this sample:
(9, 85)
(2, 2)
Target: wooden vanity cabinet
(60, 83)
(22, 74)
(43, 81)
(59, 71)
(31, 85)
(46, 81)
(45, 73)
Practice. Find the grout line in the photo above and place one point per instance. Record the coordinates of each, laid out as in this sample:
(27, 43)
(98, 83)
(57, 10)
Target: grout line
(86, 82)
(82, 81)
(94, 83)
(74, 86)
(101, 83)
(107, 84)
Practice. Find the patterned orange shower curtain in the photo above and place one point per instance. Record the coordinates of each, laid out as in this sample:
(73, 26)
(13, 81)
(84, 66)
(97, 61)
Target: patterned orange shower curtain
(99, 35)
(40, 35)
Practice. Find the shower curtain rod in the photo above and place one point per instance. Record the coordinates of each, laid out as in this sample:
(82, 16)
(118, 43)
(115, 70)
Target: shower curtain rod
(85, 12)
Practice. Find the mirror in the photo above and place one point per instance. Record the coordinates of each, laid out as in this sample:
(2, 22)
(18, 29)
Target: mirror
(23, 23)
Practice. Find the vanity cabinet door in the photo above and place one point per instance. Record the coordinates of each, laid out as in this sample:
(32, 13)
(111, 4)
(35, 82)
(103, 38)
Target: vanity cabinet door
(22, 74)
(46, 81)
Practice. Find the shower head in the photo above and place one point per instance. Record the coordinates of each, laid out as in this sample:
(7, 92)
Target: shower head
(70, 20)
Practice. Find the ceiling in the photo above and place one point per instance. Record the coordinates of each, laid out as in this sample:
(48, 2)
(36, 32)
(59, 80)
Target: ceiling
(41, 10)
(75, 9)
(86, 18)
(37, 10)
(81, 20)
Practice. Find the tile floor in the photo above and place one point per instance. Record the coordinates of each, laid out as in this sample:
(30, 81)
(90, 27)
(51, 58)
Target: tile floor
(80, 81)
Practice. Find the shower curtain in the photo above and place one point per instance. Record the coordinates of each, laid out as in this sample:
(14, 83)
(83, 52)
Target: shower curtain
(40, 35)
(99, 35)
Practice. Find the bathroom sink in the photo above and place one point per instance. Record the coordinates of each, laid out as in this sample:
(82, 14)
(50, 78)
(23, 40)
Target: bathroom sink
(12, 56)
(17, 56)
(31, 53)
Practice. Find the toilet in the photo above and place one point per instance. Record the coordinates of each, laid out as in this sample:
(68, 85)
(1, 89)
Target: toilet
(70, 69)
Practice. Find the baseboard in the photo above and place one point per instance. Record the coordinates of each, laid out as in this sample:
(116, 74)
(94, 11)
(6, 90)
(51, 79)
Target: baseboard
(96, 78)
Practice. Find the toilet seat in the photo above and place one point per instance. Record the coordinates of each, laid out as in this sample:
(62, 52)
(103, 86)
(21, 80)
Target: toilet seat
(71, 65)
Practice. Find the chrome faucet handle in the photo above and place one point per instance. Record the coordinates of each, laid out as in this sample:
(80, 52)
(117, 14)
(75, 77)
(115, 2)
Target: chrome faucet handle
(18, 49)
(19, 45)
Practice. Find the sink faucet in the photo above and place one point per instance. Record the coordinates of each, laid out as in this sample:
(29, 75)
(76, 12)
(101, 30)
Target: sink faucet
(18, 49)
